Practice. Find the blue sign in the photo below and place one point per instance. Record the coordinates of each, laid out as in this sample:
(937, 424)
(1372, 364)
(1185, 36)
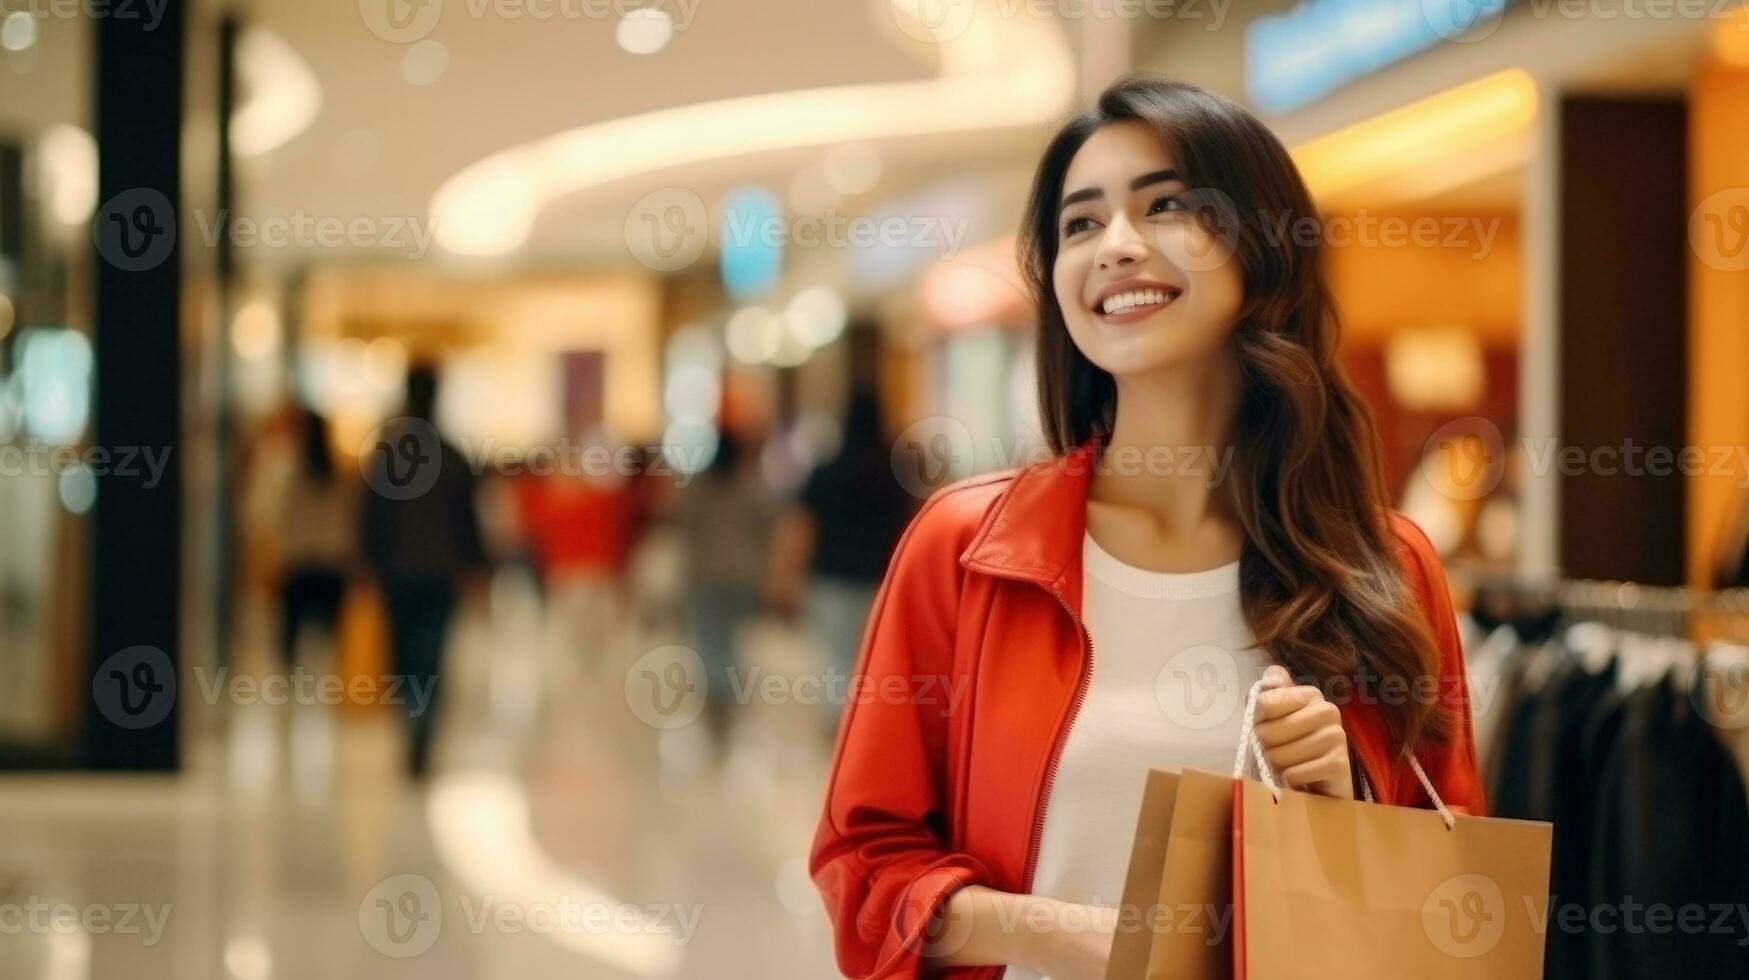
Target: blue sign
(751, 239)
(1300, 56)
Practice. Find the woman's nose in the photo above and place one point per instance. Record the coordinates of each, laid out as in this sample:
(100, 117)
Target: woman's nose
(1121, 245)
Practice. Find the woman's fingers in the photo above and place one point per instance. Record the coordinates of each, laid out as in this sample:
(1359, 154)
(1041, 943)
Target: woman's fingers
(1302, 737)
(1277, 702)
(1317, 772)
(1287, 728)
(1313, 746)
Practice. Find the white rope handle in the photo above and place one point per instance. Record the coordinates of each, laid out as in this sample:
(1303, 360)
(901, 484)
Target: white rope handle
(1432, 794)
(1248, 744)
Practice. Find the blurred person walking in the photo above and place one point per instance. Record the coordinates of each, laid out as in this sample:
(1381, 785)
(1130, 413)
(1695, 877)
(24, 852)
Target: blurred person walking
(581, 525)
(833, 544)
(420, 536)
(726, 518)
(312, 512)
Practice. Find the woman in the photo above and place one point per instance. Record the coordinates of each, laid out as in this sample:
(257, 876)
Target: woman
(1213, 517)
(315, 535)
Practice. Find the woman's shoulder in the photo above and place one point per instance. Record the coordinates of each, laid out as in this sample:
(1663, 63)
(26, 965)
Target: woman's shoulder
(957, 510)
(1418, 556)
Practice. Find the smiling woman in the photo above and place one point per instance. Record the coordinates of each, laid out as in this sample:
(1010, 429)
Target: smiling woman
(1170, 319)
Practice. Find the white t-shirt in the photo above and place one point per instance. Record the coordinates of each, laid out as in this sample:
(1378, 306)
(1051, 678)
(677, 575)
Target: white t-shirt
(1172, 662)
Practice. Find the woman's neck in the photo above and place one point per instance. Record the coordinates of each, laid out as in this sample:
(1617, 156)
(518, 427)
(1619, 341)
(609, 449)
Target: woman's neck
(1169, 458)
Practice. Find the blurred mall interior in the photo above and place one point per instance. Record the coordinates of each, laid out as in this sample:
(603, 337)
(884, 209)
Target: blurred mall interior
(638, 271)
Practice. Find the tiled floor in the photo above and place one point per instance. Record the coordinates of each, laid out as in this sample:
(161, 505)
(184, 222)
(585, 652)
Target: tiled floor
(571, 840)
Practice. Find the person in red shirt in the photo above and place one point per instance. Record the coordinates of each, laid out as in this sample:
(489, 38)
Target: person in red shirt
(1208, 450)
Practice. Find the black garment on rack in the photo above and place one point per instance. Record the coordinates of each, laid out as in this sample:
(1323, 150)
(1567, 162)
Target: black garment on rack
(1671, 831)
(1649, 812)
(1561, 792)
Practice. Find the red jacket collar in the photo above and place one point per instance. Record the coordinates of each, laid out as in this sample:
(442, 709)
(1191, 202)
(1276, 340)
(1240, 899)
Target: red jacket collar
(1034, 530)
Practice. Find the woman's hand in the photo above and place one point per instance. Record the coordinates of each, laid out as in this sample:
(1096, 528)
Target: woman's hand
(1302, 736)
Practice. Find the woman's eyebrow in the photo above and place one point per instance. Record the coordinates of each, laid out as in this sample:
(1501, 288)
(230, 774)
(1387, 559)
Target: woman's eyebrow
(1094, 193)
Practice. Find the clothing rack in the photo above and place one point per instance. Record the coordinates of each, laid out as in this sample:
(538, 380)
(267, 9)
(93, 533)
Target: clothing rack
(1659, 610)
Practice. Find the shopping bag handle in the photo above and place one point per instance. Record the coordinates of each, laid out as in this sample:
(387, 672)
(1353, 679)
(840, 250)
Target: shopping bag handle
(1249, 745)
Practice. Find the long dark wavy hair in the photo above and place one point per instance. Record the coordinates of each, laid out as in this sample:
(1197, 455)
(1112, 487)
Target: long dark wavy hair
(1320, 584)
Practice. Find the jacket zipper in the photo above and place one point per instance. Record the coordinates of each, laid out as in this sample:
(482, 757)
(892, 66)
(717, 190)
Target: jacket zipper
(1038, 823)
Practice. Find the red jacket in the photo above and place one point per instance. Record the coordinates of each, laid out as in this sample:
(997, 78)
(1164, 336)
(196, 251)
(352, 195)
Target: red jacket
(972, 666)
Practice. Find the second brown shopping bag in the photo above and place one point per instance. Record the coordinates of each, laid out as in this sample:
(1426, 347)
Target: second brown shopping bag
(1326, 887)
(1262, 883)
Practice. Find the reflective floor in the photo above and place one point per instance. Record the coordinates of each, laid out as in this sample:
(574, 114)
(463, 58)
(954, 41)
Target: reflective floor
(559, 837)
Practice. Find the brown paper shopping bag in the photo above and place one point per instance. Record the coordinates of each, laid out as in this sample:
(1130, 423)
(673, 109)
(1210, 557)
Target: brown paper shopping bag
(1133, 938)
(1194, 914)
(1325, 887)
(1177, 910)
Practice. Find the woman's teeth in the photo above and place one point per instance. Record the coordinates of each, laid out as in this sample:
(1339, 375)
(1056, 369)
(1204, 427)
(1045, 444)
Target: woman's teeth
(1140, 297)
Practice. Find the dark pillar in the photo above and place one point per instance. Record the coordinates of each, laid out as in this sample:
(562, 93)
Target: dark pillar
(1624, 336)
(137, 523)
